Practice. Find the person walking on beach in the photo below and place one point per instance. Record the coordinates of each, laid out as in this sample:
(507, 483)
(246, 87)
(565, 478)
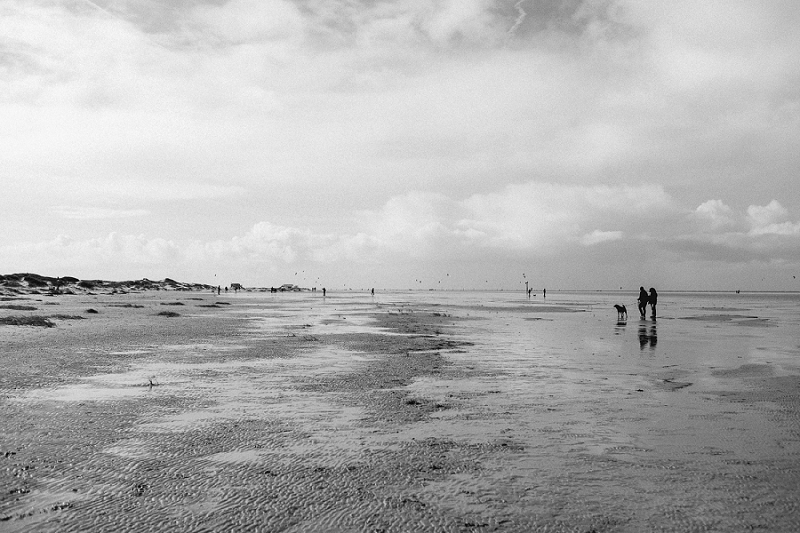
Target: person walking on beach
(642, 301)
(653, 300)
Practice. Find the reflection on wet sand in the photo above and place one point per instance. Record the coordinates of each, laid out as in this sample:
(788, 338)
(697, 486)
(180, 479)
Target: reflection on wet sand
(648, 336)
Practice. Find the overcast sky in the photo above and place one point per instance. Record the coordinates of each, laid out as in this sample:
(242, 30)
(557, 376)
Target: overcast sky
(404, 143)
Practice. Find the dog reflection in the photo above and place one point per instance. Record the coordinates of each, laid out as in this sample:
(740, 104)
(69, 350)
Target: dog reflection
(648, 337)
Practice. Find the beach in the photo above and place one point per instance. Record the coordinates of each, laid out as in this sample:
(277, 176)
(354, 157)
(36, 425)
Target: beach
(184, 410)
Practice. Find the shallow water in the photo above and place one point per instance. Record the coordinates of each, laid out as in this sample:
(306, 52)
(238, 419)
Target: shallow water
(635, 424)
(645, 410)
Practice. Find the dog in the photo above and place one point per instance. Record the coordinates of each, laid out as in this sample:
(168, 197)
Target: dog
(621, 311)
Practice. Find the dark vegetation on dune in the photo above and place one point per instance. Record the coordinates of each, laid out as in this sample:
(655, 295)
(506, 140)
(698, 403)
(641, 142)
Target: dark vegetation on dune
(18, 307)
(32, 320)
(36, 320)
(27, 283)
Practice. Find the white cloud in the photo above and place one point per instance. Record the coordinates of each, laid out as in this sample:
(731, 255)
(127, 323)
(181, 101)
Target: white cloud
(532, 222)
(239, 21)
(715, 214)
(771, 213)
(89, 213)
(68, 252)
(770, 220)
(551, 216)
(598, 236)
(761, 234)
(467, 20)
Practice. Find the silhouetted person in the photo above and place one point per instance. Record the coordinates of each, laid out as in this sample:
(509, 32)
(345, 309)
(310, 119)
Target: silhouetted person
(544, 293)
(373, 291)
(323, 292)
(642, 301)
(653, 300)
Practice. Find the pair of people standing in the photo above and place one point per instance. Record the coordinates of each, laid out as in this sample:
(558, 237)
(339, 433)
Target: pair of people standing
(645, 298)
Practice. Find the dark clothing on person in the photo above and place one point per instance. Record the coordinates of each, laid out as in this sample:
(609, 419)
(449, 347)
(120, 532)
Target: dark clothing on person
(653, 299)
(643, 299)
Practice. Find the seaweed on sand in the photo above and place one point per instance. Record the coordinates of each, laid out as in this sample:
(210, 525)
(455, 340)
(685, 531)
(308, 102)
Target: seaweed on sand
(33, 320)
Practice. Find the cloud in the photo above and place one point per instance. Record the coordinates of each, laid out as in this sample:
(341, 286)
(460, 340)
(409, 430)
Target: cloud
(68, 252)
(243, 21)
(539, 223)
(715, 214)
(598, 236)
(771, 213)
(770, 220)
(762, 233)
(90, 213)
(548, 216)
(264, 242)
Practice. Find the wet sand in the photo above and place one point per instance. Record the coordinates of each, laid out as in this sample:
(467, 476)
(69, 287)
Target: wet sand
(293, 413)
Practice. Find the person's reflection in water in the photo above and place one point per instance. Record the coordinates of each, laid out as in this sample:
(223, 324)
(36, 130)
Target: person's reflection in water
(648, 337)
(653, 335)
(642, 337)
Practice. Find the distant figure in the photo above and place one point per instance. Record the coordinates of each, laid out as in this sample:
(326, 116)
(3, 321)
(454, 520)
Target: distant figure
(544, 293)
(529, 292)
(219, 290)
(642, 301)
(373, 291)
(653, 300)
(226, 288)
(323, 292)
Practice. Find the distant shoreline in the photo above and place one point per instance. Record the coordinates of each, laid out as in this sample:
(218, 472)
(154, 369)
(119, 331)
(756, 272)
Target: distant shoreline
(31, 283)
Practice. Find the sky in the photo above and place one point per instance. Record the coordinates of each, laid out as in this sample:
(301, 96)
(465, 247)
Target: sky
(430, 144)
